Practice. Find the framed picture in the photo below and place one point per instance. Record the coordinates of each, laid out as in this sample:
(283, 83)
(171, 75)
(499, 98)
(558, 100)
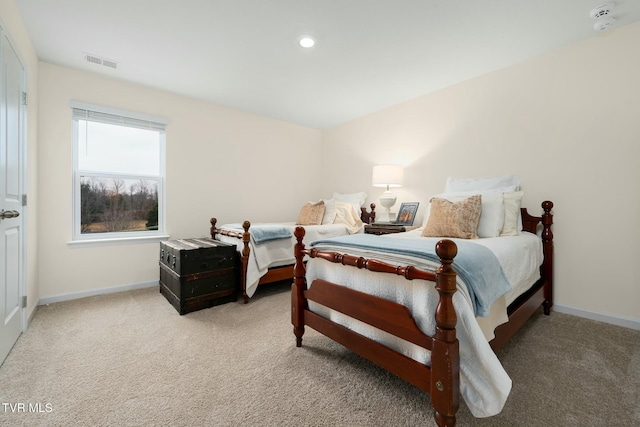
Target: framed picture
(407, 213)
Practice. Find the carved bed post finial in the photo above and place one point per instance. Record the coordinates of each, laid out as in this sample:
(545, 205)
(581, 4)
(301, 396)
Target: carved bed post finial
(547, 248)
(368, 217)
(445, 388)
(298, 302)
(213, 228)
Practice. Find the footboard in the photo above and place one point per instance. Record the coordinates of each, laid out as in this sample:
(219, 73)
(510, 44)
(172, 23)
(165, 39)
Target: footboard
(274, 274)
(244, 254)
(442, 378)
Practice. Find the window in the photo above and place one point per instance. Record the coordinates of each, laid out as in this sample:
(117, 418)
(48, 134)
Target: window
(118, 177)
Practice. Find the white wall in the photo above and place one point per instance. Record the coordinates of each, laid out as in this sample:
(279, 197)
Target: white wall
(220, 162)
(11, 21)
(568, 122)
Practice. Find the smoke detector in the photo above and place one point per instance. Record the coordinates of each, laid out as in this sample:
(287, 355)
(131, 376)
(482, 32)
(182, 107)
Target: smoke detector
(603, 16)
(602, 10)
(604, 24)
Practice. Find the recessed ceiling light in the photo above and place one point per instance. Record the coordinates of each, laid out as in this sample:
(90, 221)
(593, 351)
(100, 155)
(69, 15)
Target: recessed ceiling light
(307, 42)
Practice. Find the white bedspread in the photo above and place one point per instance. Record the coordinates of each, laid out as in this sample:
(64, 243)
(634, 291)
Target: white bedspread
(484, 384)
(277, 252)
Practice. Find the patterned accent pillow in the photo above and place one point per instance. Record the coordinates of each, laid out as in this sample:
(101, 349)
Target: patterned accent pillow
(449, 219)
(311, 213)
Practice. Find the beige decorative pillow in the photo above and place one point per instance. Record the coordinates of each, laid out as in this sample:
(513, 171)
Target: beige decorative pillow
(311, 213)
(449, 219)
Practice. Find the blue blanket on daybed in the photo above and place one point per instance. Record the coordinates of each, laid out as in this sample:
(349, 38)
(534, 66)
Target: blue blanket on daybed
(263, 233)
(476, 265)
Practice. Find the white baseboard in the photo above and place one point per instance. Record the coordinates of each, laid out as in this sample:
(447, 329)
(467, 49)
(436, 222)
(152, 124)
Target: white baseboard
(84, 294)
(30, 316)
(601, 317)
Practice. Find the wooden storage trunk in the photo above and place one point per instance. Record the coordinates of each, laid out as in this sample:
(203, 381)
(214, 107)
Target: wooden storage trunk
(198, 273)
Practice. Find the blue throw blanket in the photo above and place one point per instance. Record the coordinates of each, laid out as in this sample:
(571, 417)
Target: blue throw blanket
(476, 265)
(263, 233)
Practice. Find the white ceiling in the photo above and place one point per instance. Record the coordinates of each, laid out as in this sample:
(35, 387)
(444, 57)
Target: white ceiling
(370, 54)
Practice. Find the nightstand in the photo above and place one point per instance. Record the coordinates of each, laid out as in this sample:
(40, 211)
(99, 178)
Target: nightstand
(381, 228)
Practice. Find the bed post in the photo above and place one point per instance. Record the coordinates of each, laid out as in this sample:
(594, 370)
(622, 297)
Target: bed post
(547, 248)
(298, 302)
(213, 228)
(445, 358)
(244, 260)
(368, 217)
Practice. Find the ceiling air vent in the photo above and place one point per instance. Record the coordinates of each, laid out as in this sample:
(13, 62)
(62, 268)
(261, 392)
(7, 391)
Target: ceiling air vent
(93, 59)
(100, 61)
(111, 64)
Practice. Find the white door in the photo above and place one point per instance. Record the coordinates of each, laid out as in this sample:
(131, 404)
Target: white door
(11, 217)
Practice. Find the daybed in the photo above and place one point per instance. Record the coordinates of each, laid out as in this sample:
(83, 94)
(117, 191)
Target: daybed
(388, 311)
(266, 250)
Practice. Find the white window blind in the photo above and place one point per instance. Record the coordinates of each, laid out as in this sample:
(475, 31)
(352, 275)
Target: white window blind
(99, 113)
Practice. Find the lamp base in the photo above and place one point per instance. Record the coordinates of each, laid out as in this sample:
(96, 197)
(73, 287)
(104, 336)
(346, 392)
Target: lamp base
(387, 200)
(386, 216)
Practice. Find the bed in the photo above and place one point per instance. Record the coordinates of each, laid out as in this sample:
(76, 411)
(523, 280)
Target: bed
(375, 309)
(266, 249)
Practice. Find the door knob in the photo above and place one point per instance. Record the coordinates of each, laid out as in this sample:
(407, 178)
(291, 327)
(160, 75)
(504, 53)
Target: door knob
(9, 214)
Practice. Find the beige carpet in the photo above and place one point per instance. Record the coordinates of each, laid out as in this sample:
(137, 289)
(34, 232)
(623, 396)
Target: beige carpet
(129, 359)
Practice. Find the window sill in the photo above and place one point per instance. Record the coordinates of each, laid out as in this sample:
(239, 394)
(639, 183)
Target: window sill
(116, 241)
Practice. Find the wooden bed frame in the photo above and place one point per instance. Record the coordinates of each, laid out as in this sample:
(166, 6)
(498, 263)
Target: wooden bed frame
(274, 274)
(442, 379)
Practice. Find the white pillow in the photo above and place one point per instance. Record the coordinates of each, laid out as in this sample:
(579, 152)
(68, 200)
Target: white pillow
(329, 211)
(346, 214)
(492, 215)
(356, 199)
(512, 215)
(480, 184)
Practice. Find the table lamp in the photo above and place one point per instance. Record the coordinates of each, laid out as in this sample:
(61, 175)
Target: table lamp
(387, 176)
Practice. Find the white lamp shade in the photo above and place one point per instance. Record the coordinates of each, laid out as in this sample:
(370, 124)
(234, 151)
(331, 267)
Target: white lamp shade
(387, 176)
